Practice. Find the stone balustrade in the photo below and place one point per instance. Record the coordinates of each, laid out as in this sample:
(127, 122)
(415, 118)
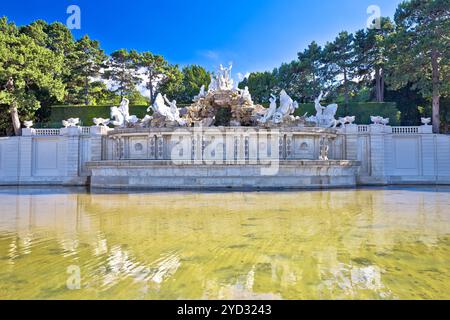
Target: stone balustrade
(384, 154)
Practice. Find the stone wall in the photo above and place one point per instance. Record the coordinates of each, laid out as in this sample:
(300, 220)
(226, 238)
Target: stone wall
(386, 155)
(399, 155)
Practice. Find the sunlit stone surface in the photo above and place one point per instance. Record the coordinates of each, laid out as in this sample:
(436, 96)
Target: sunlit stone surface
(341, 244)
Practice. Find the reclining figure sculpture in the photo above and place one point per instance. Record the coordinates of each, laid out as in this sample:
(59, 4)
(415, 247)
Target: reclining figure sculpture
(121, 115)
(325, 116)
(284, 112)
(166, 114)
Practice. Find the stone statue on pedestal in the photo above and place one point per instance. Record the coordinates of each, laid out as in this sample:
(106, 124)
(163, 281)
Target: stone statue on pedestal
(271, 111)
(166, 115)
(246, 96)
(72, 122)
(282, 114)
(325, 116)
(324, 149)
(201, 94)
(225, 82)
(121, 115)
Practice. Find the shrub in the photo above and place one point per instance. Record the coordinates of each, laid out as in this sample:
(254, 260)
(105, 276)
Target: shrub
(362, 111)
(86, 114)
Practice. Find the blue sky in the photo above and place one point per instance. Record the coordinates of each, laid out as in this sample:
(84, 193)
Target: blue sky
(255, 35)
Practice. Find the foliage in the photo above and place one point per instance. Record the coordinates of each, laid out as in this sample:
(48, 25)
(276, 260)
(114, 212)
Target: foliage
(419, 50)
(41, 64)
(26, 71)
(339, 61)
(370, 56)
(193, 78)
(261, 86)
(311, 71)
(87, 113)
(88, 61)
(158, 72)
(411, 105)
(362, 111)
(122, 72)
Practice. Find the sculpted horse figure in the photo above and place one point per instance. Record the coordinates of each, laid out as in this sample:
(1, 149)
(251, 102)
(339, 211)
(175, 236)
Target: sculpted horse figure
(118, 117)
(325, 115)
(271, 111)
(170, 113)
(287, 107)
(121, 116)
(159, 107)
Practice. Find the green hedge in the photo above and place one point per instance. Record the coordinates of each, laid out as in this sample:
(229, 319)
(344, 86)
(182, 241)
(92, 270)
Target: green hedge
(87, 113)
(362, 111)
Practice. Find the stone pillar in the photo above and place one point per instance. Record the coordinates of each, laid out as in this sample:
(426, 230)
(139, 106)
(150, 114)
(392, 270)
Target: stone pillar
(26, 132)
(426, 129)
(429, 155)
(72, 136)
(25, 165)
(289, 146)
(96, 142)
(377, 154)
(351, 142)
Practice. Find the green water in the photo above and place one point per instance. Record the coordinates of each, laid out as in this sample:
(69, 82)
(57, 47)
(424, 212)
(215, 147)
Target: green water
(339, 244)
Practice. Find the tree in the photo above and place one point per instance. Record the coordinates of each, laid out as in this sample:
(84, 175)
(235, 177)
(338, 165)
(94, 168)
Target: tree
(26, 69)
(409, 102)
(122, 71)
(261, 85)
(88, 62)
(311, 69)
(37, 31)
(370, 51)
(158, 72)
(339, 59)
(137, 98)
(419, 51)
(194, 77)
(59, 39)
(288, 77)
(100, 95)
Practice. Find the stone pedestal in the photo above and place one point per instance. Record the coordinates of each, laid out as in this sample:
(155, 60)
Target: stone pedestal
(99, 131)
(71, 131)
(426, 129)
(26, 132)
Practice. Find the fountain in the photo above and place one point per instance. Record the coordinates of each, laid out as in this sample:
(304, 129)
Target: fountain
(223, 140)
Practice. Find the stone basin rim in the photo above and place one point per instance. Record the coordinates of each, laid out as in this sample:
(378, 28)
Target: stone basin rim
(281, 130)
(165, 163)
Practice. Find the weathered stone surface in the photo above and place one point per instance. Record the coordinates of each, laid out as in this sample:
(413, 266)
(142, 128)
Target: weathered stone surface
(241, 112)
(166, 175)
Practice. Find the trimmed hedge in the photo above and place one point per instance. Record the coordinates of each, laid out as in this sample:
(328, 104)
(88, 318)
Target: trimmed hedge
(87, 113)
(362, 111)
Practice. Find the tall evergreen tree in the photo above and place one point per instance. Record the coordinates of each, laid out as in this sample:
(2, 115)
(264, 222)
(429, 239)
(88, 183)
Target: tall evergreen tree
(371, 59)
(194, 77)
(122, 71)
(311, 69)
(88, 62)
(158, 72)
(26, 69)
(261, 85)
(339, 59)
(419, 50)
(287, 77)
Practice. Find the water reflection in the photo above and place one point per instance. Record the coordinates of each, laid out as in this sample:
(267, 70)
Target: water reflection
(340, 244)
